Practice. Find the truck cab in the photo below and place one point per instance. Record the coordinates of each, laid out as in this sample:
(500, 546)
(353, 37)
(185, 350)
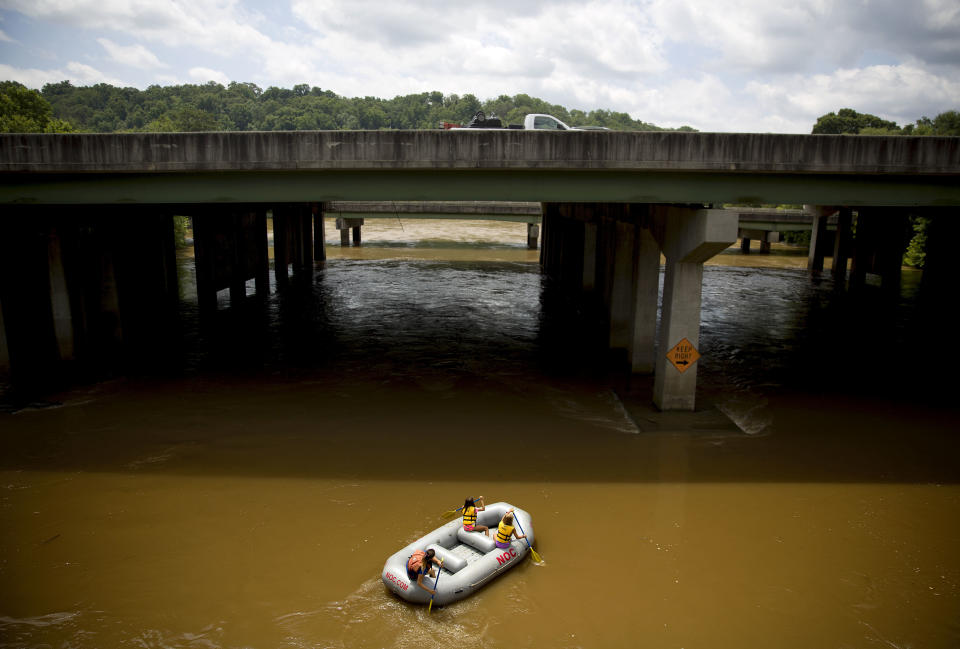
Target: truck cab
(542, 122)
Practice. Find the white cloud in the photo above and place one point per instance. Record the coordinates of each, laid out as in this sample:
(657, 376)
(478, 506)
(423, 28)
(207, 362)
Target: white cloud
(499, 46)
(5, 38)
(900, 93)
(202, 75)
(136, 56)
(78, 73)
(768, 65)
(215, 25)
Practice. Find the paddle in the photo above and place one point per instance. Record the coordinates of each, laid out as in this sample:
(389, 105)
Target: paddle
(536, 557)
(453, 512)
(439, 570)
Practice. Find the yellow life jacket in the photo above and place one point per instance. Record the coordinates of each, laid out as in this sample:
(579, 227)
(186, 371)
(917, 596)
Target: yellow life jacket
(470, 516)
(503, 532)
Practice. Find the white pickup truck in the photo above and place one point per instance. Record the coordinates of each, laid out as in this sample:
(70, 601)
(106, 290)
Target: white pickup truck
(533, 121)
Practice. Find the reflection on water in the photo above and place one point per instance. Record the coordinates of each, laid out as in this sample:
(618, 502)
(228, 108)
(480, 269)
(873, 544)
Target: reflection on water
(248, 494)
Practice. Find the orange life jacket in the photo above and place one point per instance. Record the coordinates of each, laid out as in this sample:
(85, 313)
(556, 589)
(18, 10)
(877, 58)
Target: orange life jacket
(415, 562)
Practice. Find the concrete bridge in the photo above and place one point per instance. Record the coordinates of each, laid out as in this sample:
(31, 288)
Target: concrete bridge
(87, 246)
(350, 215)
(760, 223)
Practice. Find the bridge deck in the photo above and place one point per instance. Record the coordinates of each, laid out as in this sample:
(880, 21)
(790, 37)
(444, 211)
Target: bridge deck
(670, 167)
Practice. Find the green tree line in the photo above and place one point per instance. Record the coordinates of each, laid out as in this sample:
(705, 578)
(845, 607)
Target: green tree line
(25, 111)
(239, 106)
(847, 121)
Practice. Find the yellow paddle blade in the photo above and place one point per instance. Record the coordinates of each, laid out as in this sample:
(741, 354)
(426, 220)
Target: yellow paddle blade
(536, 557)
(430, 605)
(448, 514)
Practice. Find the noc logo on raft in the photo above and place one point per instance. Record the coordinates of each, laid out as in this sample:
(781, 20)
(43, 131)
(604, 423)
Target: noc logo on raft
(402, 584)
(506, 556)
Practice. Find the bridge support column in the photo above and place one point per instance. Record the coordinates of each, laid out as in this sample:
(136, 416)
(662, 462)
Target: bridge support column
(533, 233)
(689, 238)
(879, 246)
(646, 273)
(319, 232)
(281, 245)
(623, 288)
(562, 247)
(87, 285)
(145, 274)
(25, 298)
(938, 282)
(765, 237)
(571, 249)
(842, 244)
(301, 214)
(606, 264)
(818, 236)
(345, 226)
(60, 295)
(551, 237)
(231, 247)
(4, 350)
(261, 252)
(589, 275)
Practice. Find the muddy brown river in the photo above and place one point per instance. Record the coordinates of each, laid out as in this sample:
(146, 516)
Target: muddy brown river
(248, 492)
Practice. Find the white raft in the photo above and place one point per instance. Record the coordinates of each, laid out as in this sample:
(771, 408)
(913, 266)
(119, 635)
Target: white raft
(471, 560)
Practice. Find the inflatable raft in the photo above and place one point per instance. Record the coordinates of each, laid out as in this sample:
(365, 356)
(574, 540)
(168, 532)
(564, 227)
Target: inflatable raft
(471, 560)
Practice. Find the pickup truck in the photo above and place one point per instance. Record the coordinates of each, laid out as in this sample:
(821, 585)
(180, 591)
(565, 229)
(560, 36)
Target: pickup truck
(533, 121)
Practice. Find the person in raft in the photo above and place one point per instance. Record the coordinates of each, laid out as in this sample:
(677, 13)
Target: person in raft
(470, 509)
(505, 530)
(418, 565)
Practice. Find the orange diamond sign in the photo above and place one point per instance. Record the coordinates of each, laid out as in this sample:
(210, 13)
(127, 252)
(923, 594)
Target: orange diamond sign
(683, 355)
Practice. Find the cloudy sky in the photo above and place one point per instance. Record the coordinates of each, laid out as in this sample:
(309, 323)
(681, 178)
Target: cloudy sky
(717, 65)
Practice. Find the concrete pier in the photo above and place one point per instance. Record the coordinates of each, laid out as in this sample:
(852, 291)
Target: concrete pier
(345, 226)
(319, 232)
(533, 234)
(842, 244)
(879, 246)
(647, 287)
(84, 285)
(818, 236)
(230, 247)
(689, 237)
(613, 252)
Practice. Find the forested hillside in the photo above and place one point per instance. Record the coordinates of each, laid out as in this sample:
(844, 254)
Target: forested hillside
(244, 107)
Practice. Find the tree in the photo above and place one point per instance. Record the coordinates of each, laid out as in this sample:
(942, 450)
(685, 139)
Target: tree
(849, 121)
(244, 106)
(916, 253)
(947, 123)
(25, 111)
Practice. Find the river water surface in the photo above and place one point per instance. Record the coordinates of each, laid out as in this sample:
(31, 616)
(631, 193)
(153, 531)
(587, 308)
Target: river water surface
(247, 493)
